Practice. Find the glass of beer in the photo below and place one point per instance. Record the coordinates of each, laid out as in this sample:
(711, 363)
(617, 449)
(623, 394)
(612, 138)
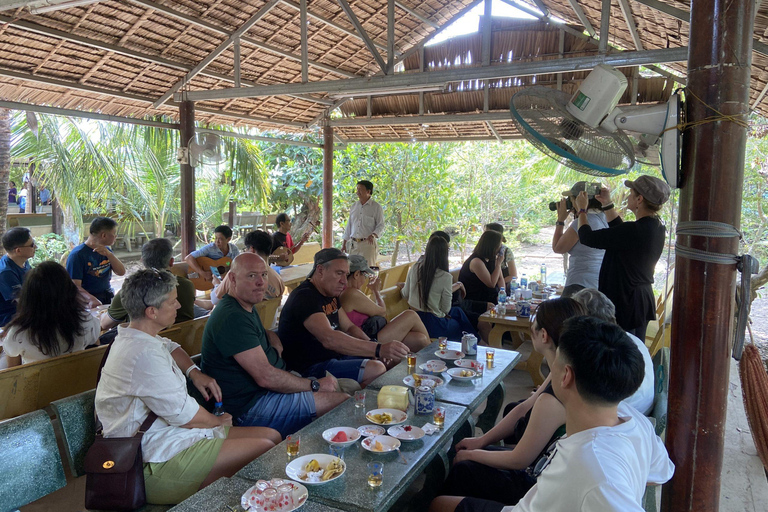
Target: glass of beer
(489, 354)
(411, 358)
(439, 417)
(375, 473)
(292, 443)
(442, 342)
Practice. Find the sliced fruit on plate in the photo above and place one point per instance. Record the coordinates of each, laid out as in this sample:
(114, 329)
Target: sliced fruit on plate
(341, 437)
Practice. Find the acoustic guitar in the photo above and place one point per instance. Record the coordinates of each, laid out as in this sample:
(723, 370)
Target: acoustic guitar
(218, 267)
(277, 256)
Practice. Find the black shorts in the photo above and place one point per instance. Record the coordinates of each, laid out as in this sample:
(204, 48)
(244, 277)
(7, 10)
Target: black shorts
(478, 505)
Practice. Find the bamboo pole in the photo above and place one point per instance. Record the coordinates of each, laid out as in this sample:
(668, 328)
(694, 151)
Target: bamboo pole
(187, 188)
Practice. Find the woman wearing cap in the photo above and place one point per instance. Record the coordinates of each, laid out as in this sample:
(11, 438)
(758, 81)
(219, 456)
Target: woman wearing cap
(631, 250)
(584, 262)
(370, 316)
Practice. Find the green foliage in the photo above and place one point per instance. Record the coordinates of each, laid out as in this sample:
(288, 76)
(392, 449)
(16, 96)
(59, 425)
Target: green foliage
(49, 247)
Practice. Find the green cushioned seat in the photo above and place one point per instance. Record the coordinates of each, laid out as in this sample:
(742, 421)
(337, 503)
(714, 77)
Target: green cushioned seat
(75, 413)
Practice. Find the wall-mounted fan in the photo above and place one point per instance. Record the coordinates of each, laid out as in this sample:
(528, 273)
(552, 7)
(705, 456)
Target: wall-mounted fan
(588, 133)
(203, 149)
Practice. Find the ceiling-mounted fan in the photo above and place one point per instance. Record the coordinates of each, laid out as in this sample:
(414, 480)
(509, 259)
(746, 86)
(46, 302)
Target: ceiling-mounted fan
(588, 133)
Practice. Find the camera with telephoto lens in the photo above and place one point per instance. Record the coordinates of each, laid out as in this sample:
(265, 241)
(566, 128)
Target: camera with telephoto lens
(592, 189)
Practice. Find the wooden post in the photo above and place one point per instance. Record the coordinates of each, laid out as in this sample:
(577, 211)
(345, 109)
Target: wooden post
(327, 185)
(232, 206)
(57, 218)
(187, 188)
(702, 321)
(31, 191)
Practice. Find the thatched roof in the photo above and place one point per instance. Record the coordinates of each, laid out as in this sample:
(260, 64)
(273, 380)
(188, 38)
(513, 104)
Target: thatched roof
(119, 57)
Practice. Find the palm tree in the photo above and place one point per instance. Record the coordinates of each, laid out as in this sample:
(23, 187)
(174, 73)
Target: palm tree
(5, 166)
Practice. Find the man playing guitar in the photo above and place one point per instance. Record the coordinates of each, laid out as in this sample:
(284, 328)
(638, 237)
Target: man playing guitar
(220, 248)
(283, 247)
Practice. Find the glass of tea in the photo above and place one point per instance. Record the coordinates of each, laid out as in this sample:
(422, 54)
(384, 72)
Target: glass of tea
(375, 473)
(292, 443)
(442, 342)
(411, 358)
(439, 417)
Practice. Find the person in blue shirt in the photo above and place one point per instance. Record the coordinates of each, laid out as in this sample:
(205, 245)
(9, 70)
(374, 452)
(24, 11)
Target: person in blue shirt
(45, 196)
(19, 247)
(220, 247)
(91, 264)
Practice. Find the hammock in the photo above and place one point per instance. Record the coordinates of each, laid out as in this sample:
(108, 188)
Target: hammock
(754, 385)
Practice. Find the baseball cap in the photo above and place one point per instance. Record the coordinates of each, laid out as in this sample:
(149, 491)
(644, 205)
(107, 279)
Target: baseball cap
(578, 187)
(495, 226)
(324, 256)
(652, 189)
(357, 262)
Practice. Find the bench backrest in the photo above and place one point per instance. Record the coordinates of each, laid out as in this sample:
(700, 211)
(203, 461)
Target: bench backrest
(267, 310)
(661, 390)
(394, 302)
(29, 460)
(76, 416)
(306, 253)
(188, 334)
(33, 386)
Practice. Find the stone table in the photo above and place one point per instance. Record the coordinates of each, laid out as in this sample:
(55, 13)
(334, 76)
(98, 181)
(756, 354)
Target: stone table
(351, 491)
(522, 327)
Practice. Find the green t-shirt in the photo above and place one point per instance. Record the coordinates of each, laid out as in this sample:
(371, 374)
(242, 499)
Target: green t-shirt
(186, 297)
(230, 330)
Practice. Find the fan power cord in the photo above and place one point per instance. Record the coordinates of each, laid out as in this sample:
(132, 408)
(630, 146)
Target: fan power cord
(745, 264)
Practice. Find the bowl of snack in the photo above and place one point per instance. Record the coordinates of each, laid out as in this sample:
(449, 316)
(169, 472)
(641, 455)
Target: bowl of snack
(419, 379)
(433, 366)
(343, 436)
(406, 432)
(290, 495)
(380, 444)
(315, 469)
(462, 373)
(386, 416)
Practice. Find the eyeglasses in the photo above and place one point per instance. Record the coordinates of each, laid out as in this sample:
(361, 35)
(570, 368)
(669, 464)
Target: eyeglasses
(33, 245)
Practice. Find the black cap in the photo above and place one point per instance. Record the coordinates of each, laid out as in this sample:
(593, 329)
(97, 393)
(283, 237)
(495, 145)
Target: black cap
(323, 256)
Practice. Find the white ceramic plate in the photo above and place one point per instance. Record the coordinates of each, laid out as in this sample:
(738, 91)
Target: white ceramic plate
(433, 366)
(371, 430)
(380, 444)
(409, 381)
(352, 434)
(398, 416)
(406, 432)
(300, 495)
(466, 363)
(295, 468)
(450, 355)
(455, 373)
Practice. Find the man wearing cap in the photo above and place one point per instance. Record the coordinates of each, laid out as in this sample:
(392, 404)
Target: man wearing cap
(366, 222)
(317, 334)
(584, 262)
(631, 250)
(245, 359)
(508, 268)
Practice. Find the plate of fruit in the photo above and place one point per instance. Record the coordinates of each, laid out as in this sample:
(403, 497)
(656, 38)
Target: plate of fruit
(343, 436)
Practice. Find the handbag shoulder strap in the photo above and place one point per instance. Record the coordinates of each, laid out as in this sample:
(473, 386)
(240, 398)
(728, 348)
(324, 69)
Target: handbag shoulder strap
(99, 427)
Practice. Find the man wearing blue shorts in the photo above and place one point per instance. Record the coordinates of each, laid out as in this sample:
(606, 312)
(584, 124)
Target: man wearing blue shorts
(245, 359)
(319, 337)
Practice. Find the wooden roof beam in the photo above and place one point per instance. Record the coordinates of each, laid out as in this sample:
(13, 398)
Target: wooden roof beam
(218, 51)
(416, 15)
(436, 78)
(493, 131)
(582, 17)
(360, 30)
(629, 19)
(425, 119)
(427, 139)
(68, 112)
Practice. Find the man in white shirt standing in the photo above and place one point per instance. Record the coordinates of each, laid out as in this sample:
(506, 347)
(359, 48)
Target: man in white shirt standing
(611, 451)
(366, 222)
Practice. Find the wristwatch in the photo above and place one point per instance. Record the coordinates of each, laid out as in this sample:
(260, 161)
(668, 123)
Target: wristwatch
(315, 385)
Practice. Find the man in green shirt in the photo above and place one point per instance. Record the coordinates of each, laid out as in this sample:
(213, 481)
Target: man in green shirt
(157, 254)
(245, 359)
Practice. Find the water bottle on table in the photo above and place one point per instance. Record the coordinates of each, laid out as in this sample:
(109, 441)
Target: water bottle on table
(543, 273)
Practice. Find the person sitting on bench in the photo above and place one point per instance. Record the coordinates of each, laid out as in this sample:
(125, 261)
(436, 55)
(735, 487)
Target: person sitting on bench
(282, 238)
(221, 247)
(19, 249)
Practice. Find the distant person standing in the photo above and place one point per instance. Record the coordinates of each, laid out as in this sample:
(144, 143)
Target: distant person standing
(91, 264)
(221, 247)
(12, 193)
(282, 238)
(19, 248)
(366, 222)
(23, 199)
(45, 196)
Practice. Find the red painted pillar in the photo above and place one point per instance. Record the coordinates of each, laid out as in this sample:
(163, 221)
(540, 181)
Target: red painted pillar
(327, 186)
(187, 187)
(702, 322)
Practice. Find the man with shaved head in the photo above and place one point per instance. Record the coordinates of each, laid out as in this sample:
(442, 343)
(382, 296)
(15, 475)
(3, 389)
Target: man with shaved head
(245, 359)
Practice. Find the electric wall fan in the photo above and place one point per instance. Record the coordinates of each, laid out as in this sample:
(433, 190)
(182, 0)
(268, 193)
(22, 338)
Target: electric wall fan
(588, 133)
(204, 149)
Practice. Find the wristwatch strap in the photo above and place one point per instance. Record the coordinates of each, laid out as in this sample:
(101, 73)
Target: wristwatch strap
(559, 223)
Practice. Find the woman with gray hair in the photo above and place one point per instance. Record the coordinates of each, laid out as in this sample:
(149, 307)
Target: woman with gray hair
(186, 448)
(600, 306)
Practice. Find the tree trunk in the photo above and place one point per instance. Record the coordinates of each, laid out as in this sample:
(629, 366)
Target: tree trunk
(5, 167)
(308, 218)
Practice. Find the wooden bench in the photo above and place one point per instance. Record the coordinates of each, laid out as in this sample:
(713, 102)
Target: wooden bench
(393, 302)
(306, 253)
(267, 310)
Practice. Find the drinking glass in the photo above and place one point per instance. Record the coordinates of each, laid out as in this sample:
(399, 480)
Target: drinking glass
(442, 342)
(375, 473)
(285, 497)
(411, 359)
(489, 354)
(360, 398)
(478, 369)
(292, 443)
(337, 450)
(439, 417)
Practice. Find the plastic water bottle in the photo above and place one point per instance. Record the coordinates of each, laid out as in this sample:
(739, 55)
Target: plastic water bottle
(524, 281)
(544, 273)
(218, 409)
(502, 295)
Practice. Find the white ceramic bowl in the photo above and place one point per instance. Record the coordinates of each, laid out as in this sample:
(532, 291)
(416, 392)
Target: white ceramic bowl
(455, 373)
(398, 416)
(352, 434)
(295, 468)
(387, 443)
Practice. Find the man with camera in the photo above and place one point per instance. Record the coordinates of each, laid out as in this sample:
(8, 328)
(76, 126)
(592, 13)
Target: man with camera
(584, 262)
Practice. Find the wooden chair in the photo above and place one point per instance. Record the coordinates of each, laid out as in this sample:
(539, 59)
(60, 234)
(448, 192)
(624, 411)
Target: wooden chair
(29, 460)
(33, 386)
(188, 334)
(75, 414)
(267, 310)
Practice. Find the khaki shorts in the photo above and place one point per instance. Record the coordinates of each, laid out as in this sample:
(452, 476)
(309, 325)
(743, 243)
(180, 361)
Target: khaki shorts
(173, 481)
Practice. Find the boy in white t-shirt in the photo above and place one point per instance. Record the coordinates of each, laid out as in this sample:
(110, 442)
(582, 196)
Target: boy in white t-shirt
(611, 451)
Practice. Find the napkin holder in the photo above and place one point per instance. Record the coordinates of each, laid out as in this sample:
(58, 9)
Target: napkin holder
(394, 397)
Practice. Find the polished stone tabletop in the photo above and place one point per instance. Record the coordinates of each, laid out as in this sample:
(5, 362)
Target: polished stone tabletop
(224, 494)
(467, 393)
(351, 490)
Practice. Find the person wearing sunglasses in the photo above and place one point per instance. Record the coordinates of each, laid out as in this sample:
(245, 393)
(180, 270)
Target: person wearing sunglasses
(19, 248)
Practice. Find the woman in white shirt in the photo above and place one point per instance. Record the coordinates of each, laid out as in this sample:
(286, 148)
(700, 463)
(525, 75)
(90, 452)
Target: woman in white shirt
(186, 448)
(429, 289)
(51, 318)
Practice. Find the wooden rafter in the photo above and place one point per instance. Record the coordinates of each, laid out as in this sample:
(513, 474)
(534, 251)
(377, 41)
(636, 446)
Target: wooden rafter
(361, 31)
